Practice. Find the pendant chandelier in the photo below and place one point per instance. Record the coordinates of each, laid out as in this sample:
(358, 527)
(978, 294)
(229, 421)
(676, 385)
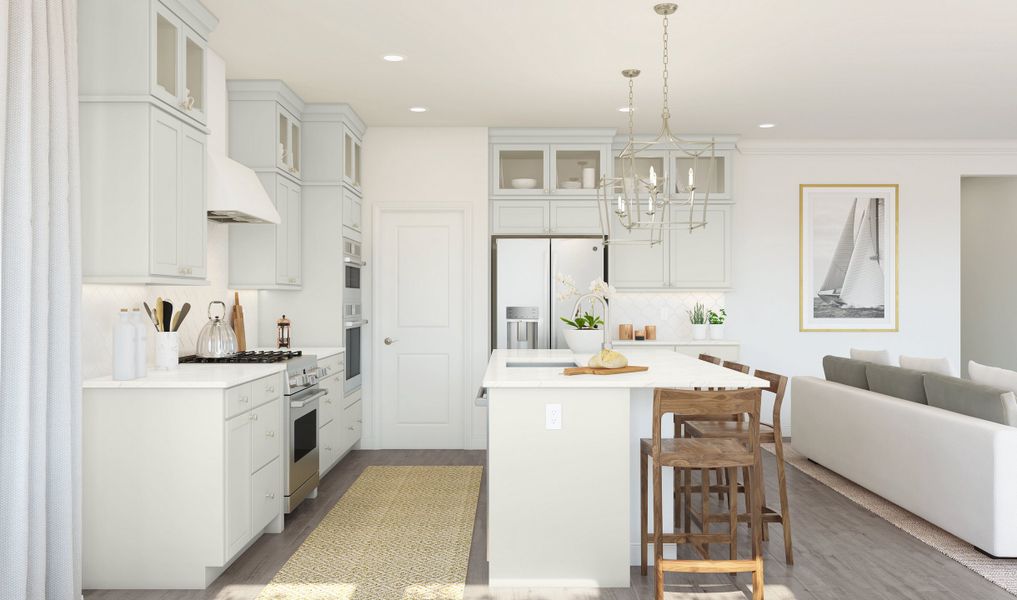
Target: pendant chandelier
(648, 201)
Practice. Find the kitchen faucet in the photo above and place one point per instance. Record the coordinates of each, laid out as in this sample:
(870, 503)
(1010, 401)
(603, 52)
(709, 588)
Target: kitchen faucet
(606, 344)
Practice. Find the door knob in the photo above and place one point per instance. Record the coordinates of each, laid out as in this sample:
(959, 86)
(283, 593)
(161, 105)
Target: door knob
(389, 341)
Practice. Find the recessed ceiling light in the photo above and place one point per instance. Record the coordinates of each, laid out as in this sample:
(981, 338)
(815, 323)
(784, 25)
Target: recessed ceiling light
(626, 109)
(767, 125)
(418, 109)
(393, 58)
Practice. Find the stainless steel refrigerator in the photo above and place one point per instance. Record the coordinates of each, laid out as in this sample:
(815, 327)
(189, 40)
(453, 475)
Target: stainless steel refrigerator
(523, 275)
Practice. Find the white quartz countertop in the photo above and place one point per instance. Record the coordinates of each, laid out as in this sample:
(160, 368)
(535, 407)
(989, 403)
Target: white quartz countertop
(666, 370)
(628, 343)
(204, 376)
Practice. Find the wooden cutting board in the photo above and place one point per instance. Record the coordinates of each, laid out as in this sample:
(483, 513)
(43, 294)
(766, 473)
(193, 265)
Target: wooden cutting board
(602, 371)
(238, 323)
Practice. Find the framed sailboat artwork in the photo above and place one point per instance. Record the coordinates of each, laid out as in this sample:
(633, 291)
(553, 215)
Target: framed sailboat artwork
(848, 257)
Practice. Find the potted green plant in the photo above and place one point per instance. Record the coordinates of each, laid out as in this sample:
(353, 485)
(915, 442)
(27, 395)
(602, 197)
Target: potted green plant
(584, 333)
(717, 324)
(697, 316)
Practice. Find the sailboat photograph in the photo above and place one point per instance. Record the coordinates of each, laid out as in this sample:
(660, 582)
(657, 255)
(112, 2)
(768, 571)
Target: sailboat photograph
(848, 258)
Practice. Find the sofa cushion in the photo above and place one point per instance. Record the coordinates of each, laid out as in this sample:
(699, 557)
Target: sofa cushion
(897, 382)
(926, 365)
(972, 399)
(845, 371)
(992, 376)
(880, 357)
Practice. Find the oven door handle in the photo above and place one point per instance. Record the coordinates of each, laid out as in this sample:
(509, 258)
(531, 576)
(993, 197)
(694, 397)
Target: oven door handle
(305, 401)
(354, 262)
(349, 324)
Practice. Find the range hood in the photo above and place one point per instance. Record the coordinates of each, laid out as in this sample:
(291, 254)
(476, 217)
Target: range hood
(235, 194)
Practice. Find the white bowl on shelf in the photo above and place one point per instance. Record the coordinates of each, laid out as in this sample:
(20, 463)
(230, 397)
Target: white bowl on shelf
(524, 183)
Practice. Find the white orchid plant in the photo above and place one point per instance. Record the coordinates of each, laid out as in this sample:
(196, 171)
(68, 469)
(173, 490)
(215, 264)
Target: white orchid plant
(567, 289)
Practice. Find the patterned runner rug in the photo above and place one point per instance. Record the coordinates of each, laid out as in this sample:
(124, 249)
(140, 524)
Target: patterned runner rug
(1000, 571)
(397, 533)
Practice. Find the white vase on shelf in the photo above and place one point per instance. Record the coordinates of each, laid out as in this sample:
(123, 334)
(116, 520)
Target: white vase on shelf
(717, 332)
(699, 331)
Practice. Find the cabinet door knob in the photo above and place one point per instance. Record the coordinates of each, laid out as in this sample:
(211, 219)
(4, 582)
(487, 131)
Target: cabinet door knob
(328, 448)
(244, 399)
(270, 434)
(270, 495)
(270, 389)
(254, 416)
(351, 429)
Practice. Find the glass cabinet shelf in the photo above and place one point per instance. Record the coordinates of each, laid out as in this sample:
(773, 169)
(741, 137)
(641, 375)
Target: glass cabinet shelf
(521, 170)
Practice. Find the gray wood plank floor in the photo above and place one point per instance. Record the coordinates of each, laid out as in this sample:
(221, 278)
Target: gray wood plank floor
(841, 552)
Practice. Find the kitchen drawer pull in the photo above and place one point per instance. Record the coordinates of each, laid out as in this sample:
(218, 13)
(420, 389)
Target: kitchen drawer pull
(254, 416)
(245, 399)
(351, 429)
(270, 434)
(270, 389)
(270, 495)
(328, 448)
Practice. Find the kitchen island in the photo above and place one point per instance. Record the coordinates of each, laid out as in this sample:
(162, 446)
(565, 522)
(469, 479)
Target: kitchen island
(563, 463)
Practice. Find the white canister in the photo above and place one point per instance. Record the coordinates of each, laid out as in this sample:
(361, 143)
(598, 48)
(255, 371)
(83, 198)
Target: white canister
(124, 341)
(140, 343)
(699, 331)
(167, 349)
(717, 332)
(589, 177)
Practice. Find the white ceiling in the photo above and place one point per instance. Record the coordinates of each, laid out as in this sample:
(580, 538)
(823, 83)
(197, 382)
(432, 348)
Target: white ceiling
(816, 68)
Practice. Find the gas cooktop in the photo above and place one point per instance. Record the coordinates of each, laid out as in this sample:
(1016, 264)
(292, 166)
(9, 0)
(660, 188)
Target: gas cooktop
(262, 356)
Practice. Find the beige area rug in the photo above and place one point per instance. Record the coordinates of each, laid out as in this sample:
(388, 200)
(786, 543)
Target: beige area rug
(1001, 571)
(397, 533)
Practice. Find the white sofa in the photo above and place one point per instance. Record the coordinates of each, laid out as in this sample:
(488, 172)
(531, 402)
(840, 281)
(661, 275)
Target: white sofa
(955, 471)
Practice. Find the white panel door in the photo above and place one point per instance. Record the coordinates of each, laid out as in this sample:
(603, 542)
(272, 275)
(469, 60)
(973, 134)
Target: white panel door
(420, 311)
(165, 193)
(238, 483)
(192, 217)
(282, 201)
(701, 258)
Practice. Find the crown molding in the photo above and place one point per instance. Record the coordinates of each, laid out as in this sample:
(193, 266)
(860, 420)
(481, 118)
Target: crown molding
(982, 147)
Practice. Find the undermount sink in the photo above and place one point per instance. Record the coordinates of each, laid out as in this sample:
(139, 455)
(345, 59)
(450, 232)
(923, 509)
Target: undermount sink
(540, 364)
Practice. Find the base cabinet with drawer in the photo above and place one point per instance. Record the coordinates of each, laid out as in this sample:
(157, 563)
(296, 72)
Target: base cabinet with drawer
(330, 411)
(178, 482)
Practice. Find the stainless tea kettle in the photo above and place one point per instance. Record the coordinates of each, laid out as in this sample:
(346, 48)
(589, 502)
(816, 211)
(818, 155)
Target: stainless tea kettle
(216, 339)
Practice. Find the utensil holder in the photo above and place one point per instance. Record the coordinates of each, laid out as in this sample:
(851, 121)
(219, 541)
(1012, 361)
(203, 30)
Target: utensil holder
(167, 350)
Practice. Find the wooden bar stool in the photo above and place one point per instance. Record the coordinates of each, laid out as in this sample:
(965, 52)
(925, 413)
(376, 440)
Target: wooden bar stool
(734, 366)
(710, 359)
(767, 435)
(703, 454)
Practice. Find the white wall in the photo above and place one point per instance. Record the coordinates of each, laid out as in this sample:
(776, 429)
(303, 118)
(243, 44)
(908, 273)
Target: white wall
(989, 271)
(763, 306)
(430, 165)
(101, 303)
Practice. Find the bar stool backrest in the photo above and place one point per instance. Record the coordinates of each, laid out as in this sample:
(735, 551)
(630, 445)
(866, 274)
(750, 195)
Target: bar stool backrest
(730, 364)
(778, 385)
(710, 359)
(699, 403)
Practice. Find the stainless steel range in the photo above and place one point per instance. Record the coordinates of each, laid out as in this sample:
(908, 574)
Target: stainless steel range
(302, 394)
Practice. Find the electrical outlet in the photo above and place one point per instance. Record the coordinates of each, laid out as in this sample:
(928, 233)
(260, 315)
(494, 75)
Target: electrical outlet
(552, 416)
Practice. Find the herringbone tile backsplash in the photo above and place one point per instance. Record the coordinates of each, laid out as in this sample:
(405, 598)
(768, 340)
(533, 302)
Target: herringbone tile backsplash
(101, 303)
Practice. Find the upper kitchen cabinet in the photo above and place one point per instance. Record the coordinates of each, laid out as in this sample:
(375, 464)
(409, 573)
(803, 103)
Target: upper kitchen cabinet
(351, 159)
(673, 166)
(266, 256)
(265, 131)
(548, 162)
(143, 174)
(136, 50)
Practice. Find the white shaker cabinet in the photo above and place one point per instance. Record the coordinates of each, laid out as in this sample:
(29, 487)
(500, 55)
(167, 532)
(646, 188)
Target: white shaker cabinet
(238, 482)
(352, 155)
(525, 217)
(353, 212)
(143, 196)
(701, 258)
(266, 256)
(575, 217)
(201, 479)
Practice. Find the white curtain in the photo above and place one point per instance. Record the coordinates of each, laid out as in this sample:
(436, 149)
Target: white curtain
(40, 300)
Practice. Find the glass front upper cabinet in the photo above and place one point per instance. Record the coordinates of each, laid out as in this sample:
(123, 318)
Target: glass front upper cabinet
(166, 83)
(521, 170)
(716, 171)
(643, 162)
(351, 159)
(288, 149)
(178, 69)
(576, 170)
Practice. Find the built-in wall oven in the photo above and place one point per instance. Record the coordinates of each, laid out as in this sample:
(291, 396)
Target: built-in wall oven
(353, 316)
